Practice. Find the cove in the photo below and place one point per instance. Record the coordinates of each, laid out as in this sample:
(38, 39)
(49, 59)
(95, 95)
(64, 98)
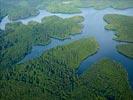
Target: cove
(37, 18)
(93, 27)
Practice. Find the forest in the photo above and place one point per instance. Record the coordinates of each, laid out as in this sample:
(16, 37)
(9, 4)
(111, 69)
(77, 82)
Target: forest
(32, 81)
(74, 5)
(76, 57)
(123, 26)
(20, 9)
(17, 40)
(53, 73)
(105, 80)
(53, 76)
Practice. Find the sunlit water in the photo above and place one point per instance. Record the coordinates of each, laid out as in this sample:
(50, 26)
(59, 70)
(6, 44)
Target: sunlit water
(93, 27)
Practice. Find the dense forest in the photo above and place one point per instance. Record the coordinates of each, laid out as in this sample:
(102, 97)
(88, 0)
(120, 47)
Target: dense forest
(105, 80)
(52, 76)
(123, 26)
(73, 6)
(19, 9)
(53, 72)
(37, 80)
(17, 40)
(126, 49)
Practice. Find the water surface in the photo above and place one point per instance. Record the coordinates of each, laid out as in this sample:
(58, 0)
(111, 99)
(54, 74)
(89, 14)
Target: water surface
(93, 27)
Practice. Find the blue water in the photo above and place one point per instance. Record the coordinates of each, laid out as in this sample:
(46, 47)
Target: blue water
(37, 18)
(93, 27)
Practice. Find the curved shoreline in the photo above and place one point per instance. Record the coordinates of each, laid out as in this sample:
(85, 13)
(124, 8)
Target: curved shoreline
(96, 30)
(124, 54)
(85, 59)
(58, 14)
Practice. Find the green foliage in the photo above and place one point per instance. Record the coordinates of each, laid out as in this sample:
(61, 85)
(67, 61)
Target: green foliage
(18, 39)
(62, 28)
(72, 54)
(105, 80)
(19, 9)
(101, 4)
(46, 78)
(77, 19)
(126, 49)
(54, 71)
(17, 90)
(123, 25)
(73, 6)
(52, 76)
(62, 8)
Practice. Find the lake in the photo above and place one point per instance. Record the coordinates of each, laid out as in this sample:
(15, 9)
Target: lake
(93, 27)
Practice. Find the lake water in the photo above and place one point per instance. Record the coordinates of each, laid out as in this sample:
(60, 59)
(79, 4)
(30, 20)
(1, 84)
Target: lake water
(93, 27)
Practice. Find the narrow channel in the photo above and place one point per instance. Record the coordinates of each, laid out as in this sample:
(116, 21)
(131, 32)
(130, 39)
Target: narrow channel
(93, 27)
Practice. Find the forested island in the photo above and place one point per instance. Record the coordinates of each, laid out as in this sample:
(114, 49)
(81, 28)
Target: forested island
(38, 80)
(53, 76)
(53, 73)
(123, 26)
(17, 40)
(72, 6)
(105, 80)
(27, 8)
(71, 55)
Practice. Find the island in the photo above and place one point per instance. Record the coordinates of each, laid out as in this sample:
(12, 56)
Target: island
(52, 74)
(17, 39)
(123, 26)
(104, 80)
(54, 80)
(44, 56)
(23, 9)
